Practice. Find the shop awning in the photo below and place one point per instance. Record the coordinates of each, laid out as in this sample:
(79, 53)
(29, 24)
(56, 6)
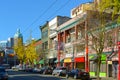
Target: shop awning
(67, 60)
(41, 61)
(60, 60)
(79, 59)
(94, 57)
(52, 60)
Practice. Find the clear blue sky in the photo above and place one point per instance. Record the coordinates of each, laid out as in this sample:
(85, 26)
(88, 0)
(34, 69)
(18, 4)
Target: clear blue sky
(28, 15)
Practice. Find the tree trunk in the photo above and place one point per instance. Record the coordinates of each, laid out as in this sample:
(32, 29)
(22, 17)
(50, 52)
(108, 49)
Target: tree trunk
(98, 68)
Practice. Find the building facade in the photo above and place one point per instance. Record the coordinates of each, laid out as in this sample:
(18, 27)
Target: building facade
(53, 40)
(44, 39)
(78, 45)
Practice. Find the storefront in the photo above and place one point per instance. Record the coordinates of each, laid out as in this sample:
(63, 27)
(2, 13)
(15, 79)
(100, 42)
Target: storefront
(68, 63)
(93, 65)
(52, 61)
(79, 62)
(61, 61)
(113, 65)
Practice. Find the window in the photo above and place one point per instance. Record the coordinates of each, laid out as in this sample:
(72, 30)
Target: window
(44, 34)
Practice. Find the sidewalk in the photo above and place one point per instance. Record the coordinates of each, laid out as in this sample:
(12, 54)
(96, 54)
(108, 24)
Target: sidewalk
(104, 78)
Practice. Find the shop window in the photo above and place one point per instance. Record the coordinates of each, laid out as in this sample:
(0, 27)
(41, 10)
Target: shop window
(80, 48)
(80, 65)
(103, 67)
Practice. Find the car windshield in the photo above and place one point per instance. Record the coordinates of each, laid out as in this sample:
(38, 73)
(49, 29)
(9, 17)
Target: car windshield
(60, 68)
(2, 70)
(63, 68)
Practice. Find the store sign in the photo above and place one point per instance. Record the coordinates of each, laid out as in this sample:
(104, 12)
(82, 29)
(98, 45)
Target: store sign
(68, 55)
(109, 62)
(81, 54)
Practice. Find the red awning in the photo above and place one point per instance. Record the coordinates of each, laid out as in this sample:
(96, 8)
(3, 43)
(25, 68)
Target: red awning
(80, 59)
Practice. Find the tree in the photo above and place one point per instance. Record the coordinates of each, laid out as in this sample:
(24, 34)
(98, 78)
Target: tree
(112, 6)
(19, 50)
(31, 52)
(99, 36)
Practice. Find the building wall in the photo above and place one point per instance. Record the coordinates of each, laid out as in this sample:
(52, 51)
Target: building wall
(53, 41)
(81, 8)
(44, 38)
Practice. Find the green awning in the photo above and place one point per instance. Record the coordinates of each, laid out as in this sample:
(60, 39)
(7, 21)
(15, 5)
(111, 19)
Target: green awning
(94, 57)
(60, 60)
(103, 57)
(41, 61)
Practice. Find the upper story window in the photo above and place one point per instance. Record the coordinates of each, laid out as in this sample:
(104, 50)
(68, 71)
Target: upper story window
(44, 34)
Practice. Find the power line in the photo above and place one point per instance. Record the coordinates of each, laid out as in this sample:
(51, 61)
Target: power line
(40, 15)
(55, 12)
(59, 9)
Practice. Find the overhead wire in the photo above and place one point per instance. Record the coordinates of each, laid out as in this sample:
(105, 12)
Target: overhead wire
(62, 6)
(40, 15)
(52, 14)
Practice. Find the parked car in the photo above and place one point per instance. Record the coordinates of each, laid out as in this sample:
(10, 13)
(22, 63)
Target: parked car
(42, 69)
(77, 73)
(16, 68)
(59, 71)
(48, 70)
(6, 66)
(3, 74)
(29, 69)
(36, 70)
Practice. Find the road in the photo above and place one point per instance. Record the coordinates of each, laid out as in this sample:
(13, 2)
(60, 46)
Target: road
(19, 75)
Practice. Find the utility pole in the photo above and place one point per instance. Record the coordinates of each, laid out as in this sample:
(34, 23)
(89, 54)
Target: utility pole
(58, 56)
(86, 47)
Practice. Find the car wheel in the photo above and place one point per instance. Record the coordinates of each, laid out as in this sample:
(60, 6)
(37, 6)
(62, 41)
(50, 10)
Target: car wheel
(53, 74)
(43, 72)
(75, 76)
(6, 79)
(67, 76)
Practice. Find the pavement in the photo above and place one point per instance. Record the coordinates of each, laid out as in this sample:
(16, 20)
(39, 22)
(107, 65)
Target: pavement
(104, 78)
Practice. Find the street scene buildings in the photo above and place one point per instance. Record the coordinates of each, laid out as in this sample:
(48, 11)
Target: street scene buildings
(67, 41)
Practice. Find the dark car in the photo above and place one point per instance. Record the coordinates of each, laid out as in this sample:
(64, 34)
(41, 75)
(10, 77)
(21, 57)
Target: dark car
(42, 70)
(28, 69)
(48, 70)
(3, 74)
(77, 73)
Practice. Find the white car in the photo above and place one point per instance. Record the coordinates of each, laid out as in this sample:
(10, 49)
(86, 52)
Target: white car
(36, 70)
(16, 68)
(59, 71)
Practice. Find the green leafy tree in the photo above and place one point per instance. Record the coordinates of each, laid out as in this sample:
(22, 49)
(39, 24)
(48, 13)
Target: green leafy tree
(112, 6)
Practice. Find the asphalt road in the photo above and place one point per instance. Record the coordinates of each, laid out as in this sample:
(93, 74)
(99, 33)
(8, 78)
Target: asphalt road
(19, 75)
